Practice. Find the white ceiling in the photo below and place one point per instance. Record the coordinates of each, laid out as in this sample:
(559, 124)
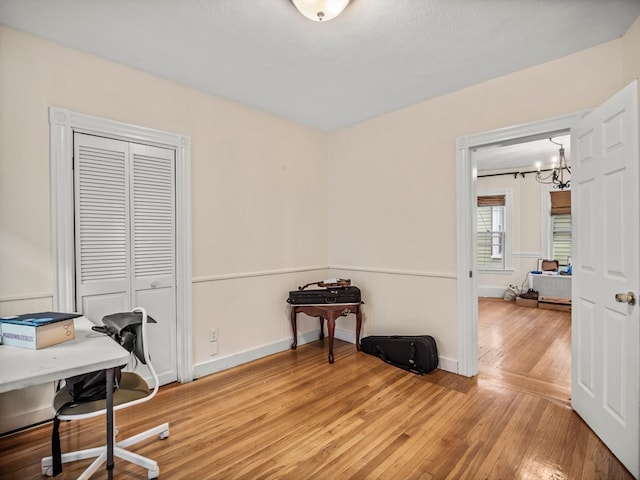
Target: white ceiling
(377, 57)
(522, 155)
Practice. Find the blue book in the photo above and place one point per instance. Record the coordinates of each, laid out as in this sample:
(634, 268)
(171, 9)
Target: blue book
(40, 318)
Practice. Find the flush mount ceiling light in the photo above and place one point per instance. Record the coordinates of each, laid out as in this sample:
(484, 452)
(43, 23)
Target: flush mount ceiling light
(320, 10)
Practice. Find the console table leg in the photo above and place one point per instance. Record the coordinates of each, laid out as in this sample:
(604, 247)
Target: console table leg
(358, 328)
(321, 328)
(294, 327)
(331, 327)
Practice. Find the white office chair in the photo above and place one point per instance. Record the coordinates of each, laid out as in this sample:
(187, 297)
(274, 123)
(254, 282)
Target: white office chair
(132, 390)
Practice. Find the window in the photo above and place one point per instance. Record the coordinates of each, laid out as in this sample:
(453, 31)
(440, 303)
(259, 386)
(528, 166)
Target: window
(556, 225)
(492, 221)
(497, 229)
(490, 237)
(561, 238)
(561, 226)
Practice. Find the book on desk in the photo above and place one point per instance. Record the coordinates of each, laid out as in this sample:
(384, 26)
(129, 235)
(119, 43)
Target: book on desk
(37, 330)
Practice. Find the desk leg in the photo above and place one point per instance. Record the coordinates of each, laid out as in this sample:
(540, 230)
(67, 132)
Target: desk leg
(110, 463)
(331, 328)
(294, 327)
(321, 328)
(358, 327)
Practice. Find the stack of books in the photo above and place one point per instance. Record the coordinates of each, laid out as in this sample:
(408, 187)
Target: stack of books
(38, 330)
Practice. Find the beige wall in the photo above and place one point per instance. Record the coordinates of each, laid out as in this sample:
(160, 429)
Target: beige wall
(259, 189)
(377, 200)
(392, 183)
(526, 231)
(631, 52)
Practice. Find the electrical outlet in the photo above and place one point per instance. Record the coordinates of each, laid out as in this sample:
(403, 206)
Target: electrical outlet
(213, 335)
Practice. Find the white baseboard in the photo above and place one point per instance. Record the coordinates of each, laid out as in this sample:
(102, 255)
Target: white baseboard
(491, 291)
(345, 335)
(219, 364)
(8, 424)
(223, 363)
(448, 365)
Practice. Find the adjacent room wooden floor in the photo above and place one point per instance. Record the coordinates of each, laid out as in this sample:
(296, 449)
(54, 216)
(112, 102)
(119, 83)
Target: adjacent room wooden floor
(294, 416)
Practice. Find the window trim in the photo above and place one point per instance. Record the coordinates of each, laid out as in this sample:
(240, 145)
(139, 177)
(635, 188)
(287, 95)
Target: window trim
(507, 250)
(500, 222)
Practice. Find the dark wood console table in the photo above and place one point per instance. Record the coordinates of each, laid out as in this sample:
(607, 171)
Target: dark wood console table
(329, 313)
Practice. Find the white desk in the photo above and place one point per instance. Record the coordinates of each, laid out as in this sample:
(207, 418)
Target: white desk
(551, 285)
(89, 351)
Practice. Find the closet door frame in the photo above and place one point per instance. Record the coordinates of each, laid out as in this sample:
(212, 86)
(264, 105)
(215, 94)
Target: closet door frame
(63, 123)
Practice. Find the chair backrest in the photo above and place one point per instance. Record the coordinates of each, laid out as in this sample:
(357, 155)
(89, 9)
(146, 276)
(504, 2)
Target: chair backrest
(134, 323)
(126, 329)
(143, 345)
(118, 322)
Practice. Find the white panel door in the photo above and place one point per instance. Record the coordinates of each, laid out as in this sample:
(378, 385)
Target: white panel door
(125, 237)
(605, 332)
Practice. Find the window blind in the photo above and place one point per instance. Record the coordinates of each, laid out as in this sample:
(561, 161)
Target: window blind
(491, 201)
(561, 202)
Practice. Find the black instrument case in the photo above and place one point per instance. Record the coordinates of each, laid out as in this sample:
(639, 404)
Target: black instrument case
(325, 296)
(416, 353)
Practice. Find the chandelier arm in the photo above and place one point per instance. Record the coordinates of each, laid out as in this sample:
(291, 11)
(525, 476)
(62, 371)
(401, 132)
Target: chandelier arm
(547, 178)
(556, 177)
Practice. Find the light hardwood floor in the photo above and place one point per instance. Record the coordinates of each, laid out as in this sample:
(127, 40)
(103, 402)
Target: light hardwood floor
(294, 416)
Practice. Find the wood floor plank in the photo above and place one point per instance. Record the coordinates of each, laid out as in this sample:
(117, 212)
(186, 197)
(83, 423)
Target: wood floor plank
(294, 416)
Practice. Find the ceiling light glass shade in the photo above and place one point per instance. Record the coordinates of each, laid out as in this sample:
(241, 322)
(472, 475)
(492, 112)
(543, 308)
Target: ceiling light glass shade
(320, 10)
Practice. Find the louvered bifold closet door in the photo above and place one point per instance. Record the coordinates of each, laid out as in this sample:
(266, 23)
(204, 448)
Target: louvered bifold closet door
(102, 224)
(153, 215)
(125, 237)
(153, 241)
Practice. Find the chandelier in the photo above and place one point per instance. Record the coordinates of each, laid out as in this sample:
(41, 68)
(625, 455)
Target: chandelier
(556, 174)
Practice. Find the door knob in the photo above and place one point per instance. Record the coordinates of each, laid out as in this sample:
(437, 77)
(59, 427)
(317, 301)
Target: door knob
(628, 297)
(155, 284)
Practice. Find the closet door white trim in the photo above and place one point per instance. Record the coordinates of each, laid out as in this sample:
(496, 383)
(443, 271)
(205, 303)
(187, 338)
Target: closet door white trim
(63, 123)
